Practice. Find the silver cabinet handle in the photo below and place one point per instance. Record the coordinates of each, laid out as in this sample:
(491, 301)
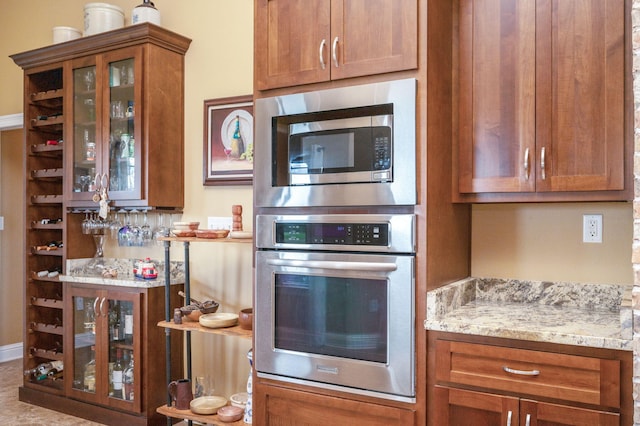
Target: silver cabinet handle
(521, 372)
(509, 415)
(102, 305)
(334, 52)
(322, 264)
(323, 43)
(526, 164)
(95, 307)
(528, 421)
(544, 174)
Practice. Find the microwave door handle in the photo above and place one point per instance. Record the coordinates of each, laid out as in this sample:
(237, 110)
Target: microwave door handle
(324, 264)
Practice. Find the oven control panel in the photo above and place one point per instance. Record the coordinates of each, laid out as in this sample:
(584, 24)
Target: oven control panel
(360, 234)
(371, 233)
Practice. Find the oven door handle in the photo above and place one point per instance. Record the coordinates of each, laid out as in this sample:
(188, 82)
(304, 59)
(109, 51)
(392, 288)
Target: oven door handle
(324, 264)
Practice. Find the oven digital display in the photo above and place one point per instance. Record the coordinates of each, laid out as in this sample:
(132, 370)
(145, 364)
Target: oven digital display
(359, 234)
(329, 230)
(292, 233)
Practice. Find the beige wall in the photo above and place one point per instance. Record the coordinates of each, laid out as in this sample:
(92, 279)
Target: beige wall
(11, 258)
(544, 242)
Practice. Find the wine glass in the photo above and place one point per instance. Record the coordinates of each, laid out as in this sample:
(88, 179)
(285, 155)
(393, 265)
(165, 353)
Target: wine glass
(161, 230)
(124, 233)
(115, 225)
(145, 230)
(89, 79)
(136, 232)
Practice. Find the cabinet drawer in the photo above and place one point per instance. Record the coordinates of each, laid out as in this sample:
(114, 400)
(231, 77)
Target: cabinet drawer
(581, 379)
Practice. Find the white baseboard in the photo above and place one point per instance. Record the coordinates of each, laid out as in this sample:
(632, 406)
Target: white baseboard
(11, 121)
(10, 352)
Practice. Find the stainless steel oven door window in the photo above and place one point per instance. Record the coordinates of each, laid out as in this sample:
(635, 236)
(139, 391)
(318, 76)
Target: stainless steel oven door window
(329, 319)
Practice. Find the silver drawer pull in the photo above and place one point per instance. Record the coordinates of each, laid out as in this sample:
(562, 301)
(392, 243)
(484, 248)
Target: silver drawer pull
(528, 421)
(509, 415)
(521, 372)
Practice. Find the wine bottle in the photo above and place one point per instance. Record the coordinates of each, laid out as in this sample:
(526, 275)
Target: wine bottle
(41, 371)
(128, 379)
(90, 372)
(116, 377)
(128, 327)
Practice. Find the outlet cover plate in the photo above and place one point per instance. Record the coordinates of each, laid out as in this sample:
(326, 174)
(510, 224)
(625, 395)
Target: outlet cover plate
(592, 228)
(220, 222)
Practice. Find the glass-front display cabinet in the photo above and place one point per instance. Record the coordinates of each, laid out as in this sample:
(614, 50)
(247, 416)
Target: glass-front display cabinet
(106, 153)
(105, 344)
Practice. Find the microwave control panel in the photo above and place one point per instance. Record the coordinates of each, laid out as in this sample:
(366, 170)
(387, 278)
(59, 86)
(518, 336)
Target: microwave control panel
(355, 234)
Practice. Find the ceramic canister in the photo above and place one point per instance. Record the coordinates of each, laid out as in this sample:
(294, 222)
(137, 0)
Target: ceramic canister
(145, 12)
(62, 34)
(100, 17)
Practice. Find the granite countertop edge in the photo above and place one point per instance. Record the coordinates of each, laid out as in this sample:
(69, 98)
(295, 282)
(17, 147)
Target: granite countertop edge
(592, 315)
(119, 282)
(89, 271)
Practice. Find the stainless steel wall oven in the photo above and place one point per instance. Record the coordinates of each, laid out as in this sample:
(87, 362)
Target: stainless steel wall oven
(335, 302)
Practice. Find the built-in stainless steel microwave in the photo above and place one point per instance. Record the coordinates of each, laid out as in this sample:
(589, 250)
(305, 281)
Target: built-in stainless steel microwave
(337, 147)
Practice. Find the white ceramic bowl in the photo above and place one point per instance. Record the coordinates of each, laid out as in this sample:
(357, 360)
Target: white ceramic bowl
(239, 399)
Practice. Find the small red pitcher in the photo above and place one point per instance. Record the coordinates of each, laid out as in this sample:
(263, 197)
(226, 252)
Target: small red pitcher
(180, 391)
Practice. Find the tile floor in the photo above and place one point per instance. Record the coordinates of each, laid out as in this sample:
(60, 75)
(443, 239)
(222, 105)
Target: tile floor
(14, 412)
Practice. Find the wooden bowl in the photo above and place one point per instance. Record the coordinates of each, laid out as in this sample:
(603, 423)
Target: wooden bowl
(245, 318)
(193, 312)
(229, 413)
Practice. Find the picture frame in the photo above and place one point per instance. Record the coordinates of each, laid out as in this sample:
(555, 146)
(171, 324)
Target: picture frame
(228, 141)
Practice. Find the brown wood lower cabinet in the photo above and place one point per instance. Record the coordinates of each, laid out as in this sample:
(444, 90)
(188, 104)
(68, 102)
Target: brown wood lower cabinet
(278, 406)
(464, 407)
(105, 325)
(476, 380)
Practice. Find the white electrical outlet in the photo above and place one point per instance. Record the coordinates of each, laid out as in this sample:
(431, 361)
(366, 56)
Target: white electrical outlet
(592, 228)
(219, 222)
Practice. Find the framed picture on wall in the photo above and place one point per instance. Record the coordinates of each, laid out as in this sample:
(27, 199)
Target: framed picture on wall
(228, 141)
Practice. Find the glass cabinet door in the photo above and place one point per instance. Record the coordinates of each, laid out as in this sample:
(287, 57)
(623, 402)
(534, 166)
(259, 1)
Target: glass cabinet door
(85, 131)
(106, 346)
(105, 151)
(122, 140)
(85, 306)
(121, 350)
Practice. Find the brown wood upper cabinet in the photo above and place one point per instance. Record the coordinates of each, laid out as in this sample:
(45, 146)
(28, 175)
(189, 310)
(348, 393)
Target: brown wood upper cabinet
(308, 41)
(542, 95)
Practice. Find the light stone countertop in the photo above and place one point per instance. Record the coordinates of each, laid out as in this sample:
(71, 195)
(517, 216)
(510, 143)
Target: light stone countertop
(595, 315)
(89, 271)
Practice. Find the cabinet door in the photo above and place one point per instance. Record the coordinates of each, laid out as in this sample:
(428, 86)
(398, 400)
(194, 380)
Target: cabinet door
(122, 319)
(373, 37)
(122, 134)
(580, 95)
(462, 407)
(105, 130)
(83, 139)
(497, 96)
(534, 413)
(292, 42)
(278, 406)
(82, 349)
(105, 330)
